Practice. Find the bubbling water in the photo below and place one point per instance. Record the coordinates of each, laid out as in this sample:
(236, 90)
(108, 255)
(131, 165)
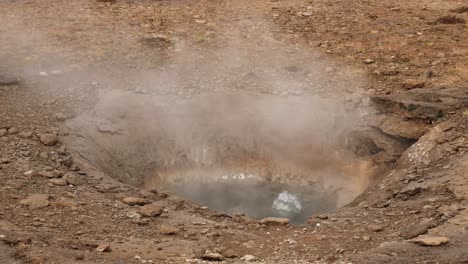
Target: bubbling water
(287, 205)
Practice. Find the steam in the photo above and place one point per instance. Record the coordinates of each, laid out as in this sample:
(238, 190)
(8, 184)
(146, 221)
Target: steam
(258, 106)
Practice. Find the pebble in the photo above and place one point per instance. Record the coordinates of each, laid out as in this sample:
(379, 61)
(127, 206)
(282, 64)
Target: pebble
(375, 228)
(135, 201)
(103, 248)
(58, 181)
(322, 216)
(212, 256)
(274, 221)
(36, 201)
(60, 117)
(48, 139)
(369, 61)
(13, 130)
(25, 135)
(248, 258)
(169, 230)
(150, 210)
(428, 240)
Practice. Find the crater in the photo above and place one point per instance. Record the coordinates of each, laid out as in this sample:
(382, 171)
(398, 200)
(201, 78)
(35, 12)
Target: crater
(262, 155)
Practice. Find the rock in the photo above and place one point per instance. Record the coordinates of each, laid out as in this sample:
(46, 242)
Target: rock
(133, 215)
(270, 221)
(135, 201)
(64, 202)
(60, 117)
(36, 201)
(412, 189)
(103, 248)
(229, 253)
(369, 61)
(322, 216)
(412, 84)
(375, 228)
(150, 210)
(29, 173)
(50, 174)
(211, 256)
(146, 194)
(200, 21)
(418, 229)
(428, 240)
(390, 72)
(13, 130)
(48, 139)
(423, 104)
(140, 221)
(3, 132)
(25, 135)
(4, 160)
(58, 181)
(449, 211)
(71, 178)
(401, 128)
(248, 258)
(168, 230)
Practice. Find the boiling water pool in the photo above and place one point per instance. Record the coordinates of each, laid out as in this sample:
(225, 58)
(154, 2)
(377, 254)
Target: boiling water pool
(258, 199)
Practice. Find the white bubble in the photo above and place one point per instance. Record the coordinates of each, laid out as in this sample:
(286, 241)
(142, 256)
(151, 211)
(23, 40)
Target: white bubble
(287, 204)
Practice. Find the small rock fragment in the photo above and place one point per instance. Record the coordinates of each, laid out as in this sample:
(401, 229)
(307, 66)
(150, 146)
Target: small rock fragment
(229, 253)
(248, 258)
(412, 84)
(135, 201)
(60, 117)
(58, 181)
(212, 256)
(369, 61)
(274, 221)
(3, 132)
(375, 228)
(418, 229)
(150, 210)
(168, 230)
(25, 135)
(103, 248)
(48, 139)
(322, 216)
(36, 201)
(28, 173)
(428, 240)
(13, 130)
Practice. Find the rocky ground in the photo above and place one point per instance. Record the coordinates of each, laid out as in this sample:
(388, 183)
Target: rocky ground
(409, 58)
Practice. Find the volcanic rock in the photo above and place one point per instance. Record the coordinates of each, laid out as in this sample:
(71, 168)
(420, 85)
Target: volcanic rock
(36, 201)
(135, 201)
(151, 210)
(428, 240)
(48, 139)
(168, 230)
(270, 221)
